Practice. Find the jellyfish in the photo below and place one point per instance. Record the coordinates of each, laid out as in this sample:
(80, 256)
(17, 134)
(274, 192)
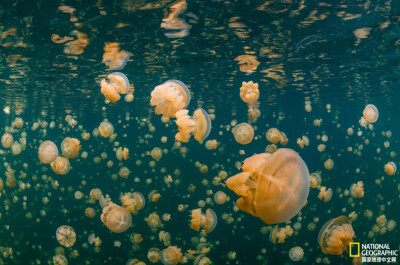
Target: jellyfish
(66, 236)
(211, 144)
(60, 259)
(220, 197)
(48, 152)
(171, 255)
(153, 196)
(208, 221)
(154, 221)
(156, 153)
(60, 166)
(118, 84)
(315, 179)
(106, 129)
(90, 212)
(153, 255)
(70, 147)
(335, 236)
(278, 235)
(92, 239)
(249, 92)
(370, 113)
(357, 190)
(124, 172)
(122, 153)
(243, 133)
(202, 260)
(116, 218)
(390, 168)
(113, 57)
(325, 194)
(95, 194)
(16, 148)
(273, 135)
(7, 140)
(133, 201)
(18, 122)
(328, 164)
(199, 125)
(274, 187)
(170, 97)
(296, 253)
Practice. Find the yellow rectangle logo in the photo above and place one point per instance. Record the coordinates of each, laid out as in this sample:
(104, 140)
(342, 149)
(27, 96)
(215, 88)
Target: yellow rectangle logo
(352, 254)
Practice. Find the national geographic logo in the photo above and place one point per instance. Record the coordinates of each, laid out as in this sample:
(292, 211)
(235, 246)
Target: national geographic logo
(373, 252)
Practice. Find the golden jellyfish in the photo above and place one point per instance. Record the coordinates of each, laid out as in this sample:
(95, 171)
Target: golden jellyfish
(328, 164)
(122, 153)
(273, 135)
(133, 201)
(16, 148)
(390, 168)
(296, 253)
(357, 190)
(113, 57)
(1, 184)
(154, 221)
(60, 259)
(170, 97)
(48, 152)
(106, 129)
(124, 172)
(95, 194)
(18, 122)
(118, 84)
(202, 260)
(325, 194)
(220, 197)
(90, 212)
(66, 236)
(153, 255)
(70, 147)
(199, 125)
(171, 255)
(315, 179)
(335, 236)
(274, 187)
(156, 153)
(154, 196)
(371, 113)
(116, 218)
(7, 140)
(60, 166)
(278, 235)
(249, 92)
(243, 133)
(211, 144)
(208, 221)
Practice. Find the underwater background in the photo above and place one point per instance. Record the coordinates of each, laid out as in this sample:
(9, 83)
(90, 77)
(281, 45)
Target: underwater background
(317, 64)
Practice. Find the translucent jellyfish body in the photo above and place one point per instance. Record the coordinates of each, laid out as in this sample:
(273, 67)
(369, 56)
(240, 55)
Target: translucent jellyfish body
(7, 140)
(273, 187)
(296, 253)
(116, 218)
(60, 166)
(70, 147)
(170, 97)
(371, 113)
(171, 255)
(106, 129)
(16, 148)
(118, 84)
(199, 125)
(66, 236)
(390, 168)
(133, 201)
(48, 152)
(115, 58)
(273, 135)
(208, 221)
(243, 133)
(335, 236)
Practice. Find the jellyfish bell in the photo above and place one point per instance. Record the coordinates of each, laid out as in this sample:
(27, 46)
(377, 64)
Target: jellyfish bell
(16, 148)
(243, 133)
(70, 147)
(120, 80)
(133, 201)
(170, 97)
(335, 236)
(199, 125)
(371, 113)
(390, 168)
(66, 236)
(296, 253)
(60, 259)
(274, 187)
(60, 165)
(171, 255)
(249, 92)
(208, 221)
(106, 129)
(7, 140)
(273, 135)
(116, 218)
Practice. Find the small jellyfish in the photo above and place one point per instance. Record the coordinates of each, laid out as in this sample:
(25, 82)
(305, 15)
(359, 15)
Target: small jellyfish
(7, 140)
(66, 236)
(116, 218)
(390, 168)
(357, 190)
(133, 201)
(60, 166)
(202, 260)
(156, 153)
(124, 172)
(106, 129)
(370, 113)
(315, 179)
(249, 92)
(60, 259)
(243, 133)
(171, 255)
(335, 236)
(208, 221)
(296, 253)
(118, 84)
(274, 187)
(273, 135)
(211, 144)
(16, 148)
(48, 152)
(220, 197)
(170, 97)
(70, 147)
(154, 221)
(199, 125)
(325, 194)
(122, 153)
(278, 235)
(153, 255)
(153, 196)
(114, 57)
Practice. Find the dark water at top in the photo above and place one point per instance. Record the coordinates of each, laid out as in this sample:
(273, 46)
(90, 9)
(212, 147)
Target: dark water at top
(337, 56)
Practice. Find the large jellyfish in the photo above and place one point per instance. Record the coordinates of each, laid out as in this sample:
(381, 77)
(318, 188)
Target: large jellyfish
(48, 152)
(199, 125)
(335, 236)
(273, 187)
(116, 218)
(60, 166)
(66, 236)
(170, 97)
